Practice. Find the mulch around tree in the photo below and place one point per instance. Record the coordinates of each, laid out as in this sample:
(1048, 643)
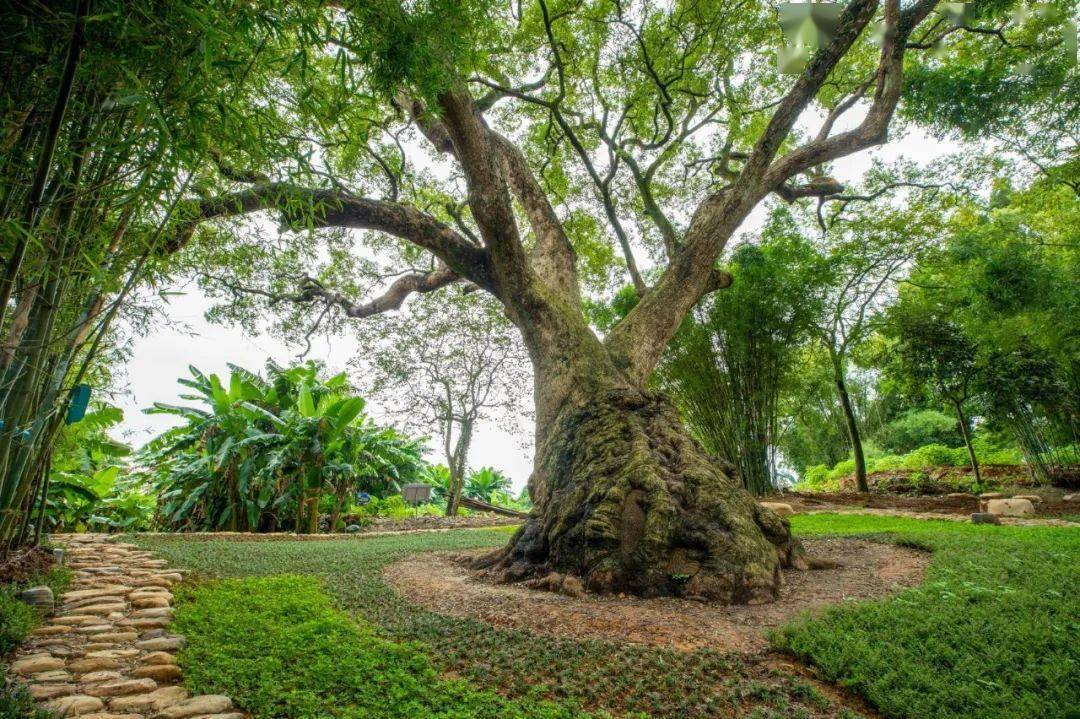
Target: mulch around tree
(869, 570)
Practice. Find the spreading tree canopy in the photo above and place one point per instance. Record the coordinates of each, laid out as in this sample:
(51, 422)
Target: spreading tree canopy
(529, 151)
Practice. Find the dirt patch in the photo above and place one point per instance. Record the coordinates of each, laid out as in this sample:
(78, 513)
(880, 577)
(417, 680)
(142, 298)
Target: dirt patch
(24, 564)
(869, 570)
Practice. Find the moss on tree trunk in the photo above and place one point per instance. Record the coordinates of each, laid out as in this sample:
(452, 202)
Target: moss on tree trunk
(627, 501)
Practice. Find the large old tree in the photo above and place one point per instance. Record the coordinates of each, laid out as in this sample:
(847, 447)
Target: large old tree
(571, 128)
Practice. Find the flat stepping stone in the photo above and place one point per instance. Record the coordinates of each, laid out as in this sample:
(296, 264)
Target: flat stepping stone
(118, 637)
(113, 654)
(95, 628)
(122, 687)
(102, 609)
(152, 612)
(94, 664)
(196, 706)
(50, 630)
(56, 675)
(162, 644)
(106, 591)
(154, 701)
(44, 692)
(36, 664)
(150, 601)
(77, 619)
(110, 715)
(158, 672)
(75, 705)
(101, 676)
(146, 622)
(159, 658)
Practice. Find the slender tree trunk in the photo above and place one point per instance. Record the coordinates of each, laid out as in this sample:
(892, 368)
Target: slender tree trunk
(41, 175)
(967, 439)
(453, 502)
(313, 512)
(335, 514)
(853, 431)
(44, 497)
(458, 463)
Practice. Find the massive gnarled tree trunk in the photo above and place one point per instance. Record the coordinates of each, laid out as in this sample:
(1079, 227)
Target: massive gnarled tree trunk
(624, 498)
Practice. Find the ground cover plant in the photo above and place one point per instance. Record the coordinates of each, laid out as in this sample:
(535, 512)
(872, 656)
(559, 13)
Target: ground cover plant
(619, 678)
(17, 620)
(992, 632)
(279, 648)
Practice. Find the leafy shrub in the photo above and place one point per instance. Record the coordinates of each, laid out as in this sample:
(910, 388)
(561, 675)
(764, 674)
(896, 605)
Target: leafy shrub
(279, 648)
(917, 428)
(16, 620)
(16, 702)
(817, 479)
(485, 482)
(932, 455)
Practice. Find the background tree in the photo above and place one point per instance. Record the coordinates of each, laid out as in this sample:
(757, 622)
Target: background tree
(935, 351)
(463, 364)
(729, 364)
(997, 299)
(867, 255)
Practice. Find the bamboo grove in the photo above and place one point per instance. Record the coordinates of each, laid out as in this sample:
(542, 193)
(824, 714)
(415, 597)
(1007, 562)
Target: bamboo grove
(110, 112)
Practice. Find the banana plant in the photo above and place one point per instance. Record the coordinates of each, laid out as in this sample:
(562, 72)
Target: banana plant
(261, 454)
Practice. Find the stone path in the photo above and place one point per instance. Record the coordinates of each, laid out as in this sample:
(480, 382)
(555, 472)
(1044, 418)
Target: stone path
(108, 653)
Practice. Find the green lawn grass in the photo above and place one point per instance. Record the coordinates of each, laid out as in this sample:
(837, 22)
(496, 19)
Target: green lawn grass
(992, 632)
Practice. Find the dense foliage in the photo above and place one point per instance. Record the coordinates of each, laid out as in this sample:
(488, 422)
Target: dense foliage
(271, 453)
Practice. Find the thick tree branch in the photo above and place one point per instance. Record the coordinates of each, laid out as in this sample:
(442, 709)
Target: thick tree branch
(489, 197)
(391, 299)
(311, 290)
(637, 342)
(872, 130)
(553, 257)
(312, 207)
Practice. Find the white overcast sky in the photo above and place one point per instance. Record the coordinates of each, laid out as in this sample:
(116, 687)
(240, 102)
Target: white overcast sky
(162, 356)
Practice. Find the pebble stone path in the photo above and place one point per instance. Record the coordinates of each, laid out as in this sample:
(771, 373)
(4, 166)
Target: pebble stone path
(107, 653)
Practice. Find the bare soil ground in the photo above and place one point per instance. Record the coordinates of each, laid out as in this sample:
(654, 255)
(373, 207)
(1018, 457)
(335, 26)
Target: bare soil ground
(868, 570)
(1053, 505)
(25, 563)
